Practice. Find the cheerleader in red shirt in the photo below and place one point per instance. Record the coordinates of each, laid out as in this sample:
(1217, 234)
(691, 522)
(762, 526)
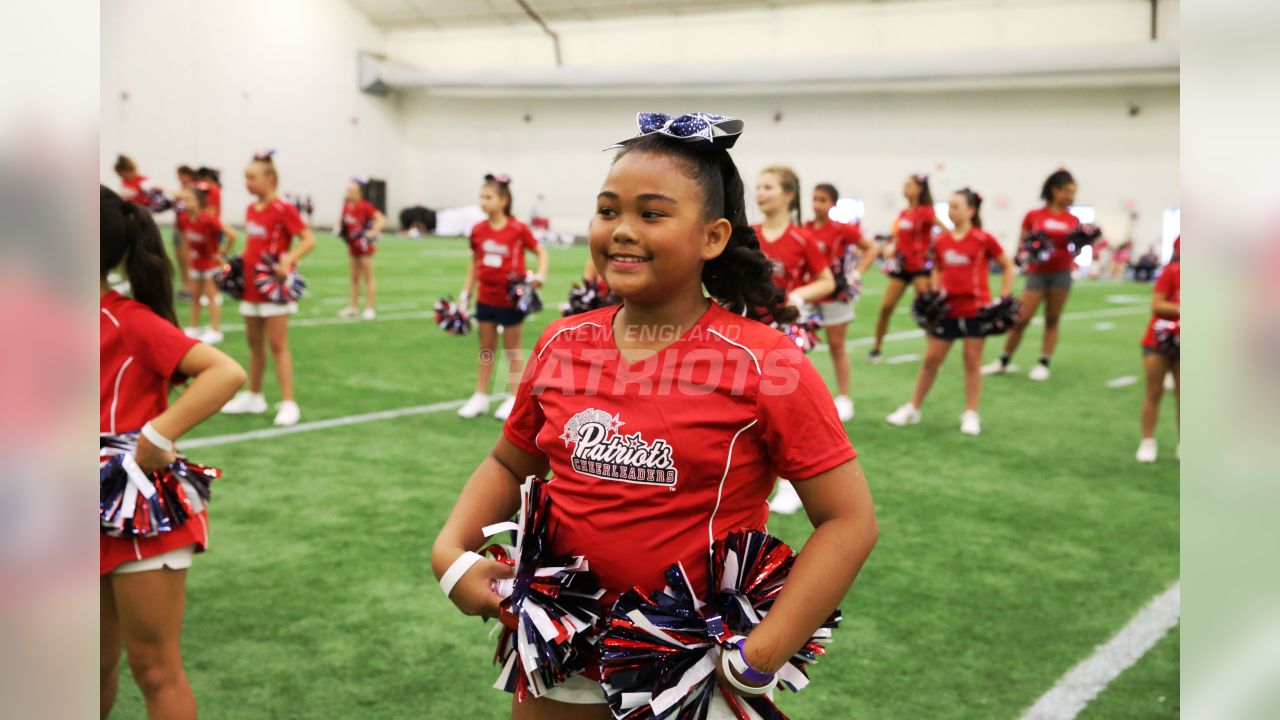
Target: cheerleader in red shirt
(205, 241)
(360, 225)
(961, 258)
(1161, 356)
(1049, 280)
(835, 240)
(142, 582)
(670, 220)
(908, 252)
(137, 188)
(209, 181)
(269, 228)
(498, 245)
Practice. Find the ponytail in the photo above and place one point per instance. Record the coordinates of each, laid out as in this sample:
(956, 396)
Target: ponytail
(129, 235)
(974, 200)
(926, 196)
(790, 182)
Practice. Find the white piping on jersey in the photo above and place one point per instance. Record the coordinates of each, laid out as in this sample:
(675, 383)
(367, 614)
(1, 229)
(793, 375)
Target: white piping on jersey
(744, 347)
(728, 463)
(111, 317)
(564, 330)
(115, 396)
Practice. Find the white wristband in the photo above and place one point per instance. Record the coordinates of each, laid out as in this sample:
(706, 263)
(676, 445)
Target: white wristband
(155, 438)
(457, 570)
(726, 665)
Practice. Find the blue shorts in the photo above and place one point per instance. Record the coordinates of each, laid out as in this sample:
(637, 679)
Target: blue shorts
(505, 317)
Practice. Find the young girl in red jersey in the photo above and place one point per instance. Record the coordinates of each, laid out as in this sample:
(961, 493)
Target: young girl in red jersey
(1162, 358)
(909, 250)
(137, 188)
(142, 582)
(961, 258)
(269, 229)
(1048, 280)
(361, 224)
(670, 220)
(498, 245)
(203, 246)
(835, 239)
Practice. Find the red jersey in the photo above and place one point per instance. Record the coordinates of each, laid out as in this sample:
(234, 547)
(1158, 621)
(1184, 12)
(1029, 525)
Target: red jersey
(356, 216)
(268, 230)
(135, 190)
(1055, 226)
(915, 233)
(204, 239)
(212, 197)
(1169, 284)
(498, 254)
(138, 355)
(962, 269)
(834, 239)
(653, 460)
(797, 260)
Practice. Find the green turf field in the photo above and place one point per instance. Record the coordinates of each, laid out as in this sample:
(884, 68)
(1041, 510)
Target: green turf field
(1003, 560)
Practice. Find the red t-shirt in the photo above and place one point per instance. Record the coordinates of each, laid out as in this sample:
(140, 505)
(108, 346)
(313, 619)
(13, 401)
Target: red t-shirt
(653, 460)
(498, 254)
(213, 197)
(135, 190)
(204, 239)
(833, 239)
(915, 228)
(356, 216)
(962, 269)
(1055, 226)
(797, 260)
(138, 355)
(268, 230)
(1168, 284)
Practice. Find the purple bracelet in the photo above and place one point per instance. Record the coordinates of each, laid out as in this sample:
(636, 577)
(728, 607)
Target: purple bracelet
(750, 674)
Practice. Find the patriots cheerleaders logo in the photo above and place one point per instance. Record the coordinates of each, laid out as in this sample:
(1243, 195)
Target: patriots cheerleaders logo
(601, 450)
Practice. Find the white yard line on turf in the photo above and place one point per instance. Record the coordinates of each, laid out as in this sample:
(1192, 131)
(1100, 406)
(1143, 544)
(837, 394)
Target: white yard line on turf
(899, 359)
(330, 423)
(1122, 381)
(1085, 681)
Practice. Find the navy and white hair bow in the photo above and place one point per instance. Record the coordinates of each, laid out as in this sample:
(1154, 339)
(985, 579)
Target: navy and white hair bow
(718, 130)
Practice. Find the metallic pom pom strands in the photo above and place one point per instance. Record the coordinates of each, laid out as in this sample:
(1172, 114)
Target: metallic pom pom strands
(891, 265)
(659, 650)
(292, 288)
(1168, 337)
(1036, 246)
(929, 310)
(136, 504)
(523, 294)
(1083, 234)
(999, 317)
(230, 278)
(587, 297)
(550, 612)
(804, 332)
(452, 318)
(848, 284)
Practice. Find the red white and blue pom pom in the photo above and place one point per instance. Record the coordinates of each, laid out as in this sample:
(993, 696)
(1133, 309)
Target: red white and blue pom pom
(292, 288)
(999, 317)
(660, 650)
(230, 278)
(803, 332)
(848, 284)
(452, 318)
(1168, 337)
(587, 297)
(891, 265)
(1036, 247)
(1083, 234)
(550, 612)
(524, 296)
(929, 310)
(136, 504)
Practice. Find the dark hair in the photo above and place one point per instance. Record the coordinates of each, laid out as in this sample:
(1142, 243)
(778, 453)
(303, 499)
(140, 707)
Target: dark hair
(1058, 179)
(790, 183)
(829, 189)
(974, 200)
(208, 174)
(186, 171)
(741, 278)
(926, 196)
(124, 164)
(129, 235)
(266, 159)
(502, 184)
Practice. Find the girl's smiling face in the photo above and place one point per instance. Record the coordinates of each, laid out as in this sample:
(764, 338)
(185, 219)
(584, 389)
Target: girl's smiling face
(822, 204)
(258, 180)
(353, 192)
(770, 197)
(650, 235)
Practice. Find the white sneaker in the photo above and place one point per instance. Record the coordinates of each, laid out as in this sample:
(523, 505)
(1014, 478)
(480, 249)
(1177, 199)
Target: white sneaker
(348, 312)
(476, 404)
(1039, 373)
(1147, 450)
(874, 357)
(785, 499)
(369, 313)
(906, 415)
(211, 337)
(246, 403)
(288, 413)
(504, 410)
(995, 367)
(970, 423)
(844, 408)
(192, 332)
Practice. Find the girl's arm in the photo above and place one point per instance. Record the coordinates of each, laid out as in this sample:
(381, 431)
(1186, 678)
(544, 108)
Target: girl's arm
(869, 253)
(491, 495)
(838, 503)
(1006, 276)
(215, 378)
(306, 243)
(1162, 306)
(823, 286)
(231, 238)
(379, 222)
(469, 283)
(543, 257)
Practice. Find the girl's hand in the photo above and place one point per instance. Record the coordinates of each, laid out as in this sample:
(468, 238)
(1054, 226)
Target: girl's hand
(282, 268)
(724, 682)
(474, 593)
(151, 458)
